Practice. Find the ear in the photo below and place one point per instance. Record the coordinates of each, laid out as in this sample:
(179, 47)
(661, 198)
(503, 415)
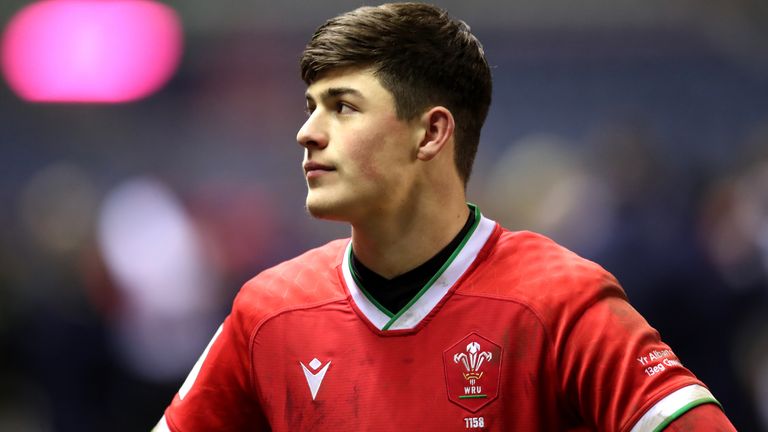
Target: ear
(438, 132)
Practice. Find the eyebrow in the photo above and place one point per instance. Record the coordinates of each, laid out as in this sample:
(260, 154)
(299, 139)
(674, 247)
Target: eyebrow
(335, 92)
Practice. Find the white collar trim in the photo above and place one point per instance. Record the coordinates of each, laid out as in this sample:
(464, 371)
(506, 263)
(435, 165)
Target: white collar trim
(414, 313)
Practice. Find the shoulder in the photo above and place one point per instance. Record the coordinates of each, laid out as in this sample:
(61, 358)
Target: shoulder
(533, 270)
(536, 259)
(308, 279)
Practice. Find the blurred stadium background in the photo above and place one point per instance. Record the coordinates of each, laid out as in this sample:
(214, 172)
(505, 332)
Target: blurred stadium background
(634, 132)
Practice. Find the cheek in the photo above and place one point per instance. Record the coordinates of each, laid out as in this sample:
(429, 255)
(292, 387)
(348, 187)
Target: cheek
(365, 157)
(381, 153)
(367, 152)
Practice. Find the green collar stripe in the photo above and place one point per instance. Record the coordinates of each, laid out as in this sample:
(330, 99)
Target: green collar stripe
(440, 271)
(433, 291)
(365, 292)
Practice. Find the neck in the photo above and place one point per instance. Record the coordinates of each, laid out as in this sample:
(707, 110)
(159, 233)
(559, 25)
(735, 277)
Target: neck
(395, 243)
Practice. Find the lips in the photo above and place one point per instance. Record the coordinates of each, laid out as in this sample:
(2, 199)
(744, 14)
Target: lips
(312, 169)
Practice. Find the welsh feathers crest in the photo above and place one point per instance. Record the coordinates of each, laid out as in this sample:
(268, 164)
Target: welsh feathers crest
(472, 360)
(473, 369)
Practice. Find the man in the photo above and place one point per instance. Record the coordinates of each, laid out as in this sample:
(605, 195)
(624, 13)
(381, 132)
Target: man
(431, 317)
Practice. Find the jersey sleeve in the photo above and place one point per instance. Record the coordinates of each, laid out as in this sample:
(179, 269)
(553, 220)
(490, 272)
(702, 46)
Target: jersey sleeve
(619, 373)
(703, 418)
(217, 394)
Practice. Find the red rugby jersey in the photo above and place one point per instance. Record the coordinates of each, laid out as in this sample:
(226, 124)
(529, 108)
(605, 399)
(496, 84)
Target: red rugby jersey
(513, 333)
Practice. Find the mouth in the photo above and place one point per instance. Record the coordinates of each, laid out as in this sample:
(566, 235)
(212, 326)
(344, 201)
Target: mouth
(314, 169)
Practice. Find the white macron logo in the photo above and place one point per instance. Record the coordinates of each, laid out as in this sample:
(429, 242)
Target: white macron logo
(315, 378)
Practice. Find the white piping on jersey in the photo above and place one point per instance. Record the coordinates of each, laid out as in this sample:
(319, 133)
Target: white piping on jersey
(190, 381)
(673, 406)
(430, 295)
(162, 426)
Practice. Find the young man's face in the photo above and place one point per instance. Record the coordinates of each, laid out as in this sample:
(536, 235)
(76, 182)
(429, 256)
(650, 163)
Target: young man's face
(359, 158)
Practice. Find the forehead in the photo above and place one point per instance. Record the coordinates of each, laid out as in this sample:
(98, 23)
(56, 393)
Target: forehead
(363, 81)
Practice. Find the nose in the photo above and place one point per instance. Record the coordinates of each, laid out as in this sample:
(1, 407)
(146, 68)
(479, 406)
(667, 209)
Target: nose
(312, 132)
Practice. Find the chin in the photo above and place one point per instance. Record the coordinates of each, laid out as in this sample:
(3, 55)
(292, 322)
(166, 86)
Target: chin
(324, 210)
(343, 206)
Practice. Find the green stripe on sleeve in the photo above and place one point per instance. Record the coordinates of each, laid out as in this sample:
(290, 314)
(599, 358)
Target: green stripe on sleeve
(687, 407)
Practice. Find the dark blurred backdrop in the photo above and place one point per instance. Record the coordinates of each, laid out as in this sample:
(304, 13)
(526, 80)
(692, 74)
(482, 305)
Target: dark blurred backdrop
(634, 132)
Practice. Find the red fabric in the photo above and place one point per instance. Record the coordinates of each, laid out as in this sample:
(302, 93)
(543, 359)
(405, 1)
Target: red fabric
(564, 348)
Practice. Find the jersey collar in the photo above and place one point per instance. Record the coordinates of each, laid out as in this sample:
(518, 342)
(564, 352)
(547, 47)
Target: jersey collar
(435, 289)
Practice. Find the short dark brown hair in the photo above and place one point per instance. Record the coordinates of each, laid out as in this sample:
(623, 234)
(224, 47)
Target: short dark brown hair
(421, 55)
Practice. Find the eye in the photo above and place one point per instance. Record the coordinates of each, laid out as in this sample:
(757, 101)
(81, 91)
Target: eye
(309, 109)
(344, 108)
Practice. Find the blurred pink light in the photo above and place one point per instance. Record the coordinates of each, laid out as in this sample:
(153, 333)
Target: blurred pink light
(91, 51)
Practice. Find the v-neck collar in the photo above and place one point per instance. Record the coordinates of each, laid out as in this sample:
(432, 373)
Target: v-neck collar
(433, 291)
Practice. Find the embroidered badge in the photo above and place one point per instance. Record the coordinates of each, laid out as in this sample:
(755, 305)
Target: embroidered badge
(472, 371)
